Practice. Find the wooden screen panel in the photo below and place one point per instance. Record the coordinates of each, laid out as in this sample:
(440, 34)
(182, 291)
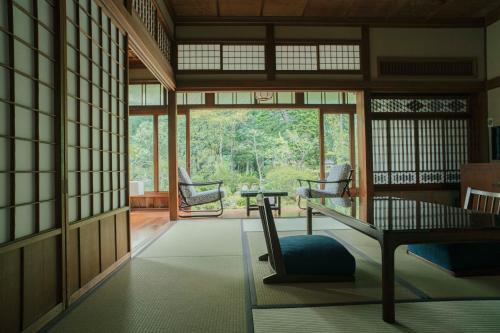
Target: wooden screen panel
(108, 242)
(27, 118)
(42, 278)
(425, 148)
(11, 276)
(339, 57)
(96, 57)
(122, 235)
(89, 253)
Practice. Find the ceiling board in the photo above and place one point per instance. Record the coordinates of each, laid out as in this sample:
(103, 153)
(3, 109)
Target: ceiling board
(194, 7)
(283, 7)
(345, 9)
(240, 7)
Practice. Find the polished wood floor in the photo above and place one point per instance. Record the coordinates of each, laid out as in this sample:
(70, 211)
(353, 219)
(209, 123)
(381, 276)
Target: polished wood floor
(146, 224)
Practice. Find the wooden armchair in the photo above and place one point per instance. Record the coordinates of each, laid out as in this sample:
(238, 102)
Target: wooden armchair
(307, 258)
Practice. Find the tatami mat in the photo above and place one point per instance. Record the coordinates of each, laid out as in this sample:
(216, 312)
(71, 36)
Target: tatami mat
(182, 294)
(291, 224)
(365, 288)
(456, 317)
(431, 280)
(198, 238)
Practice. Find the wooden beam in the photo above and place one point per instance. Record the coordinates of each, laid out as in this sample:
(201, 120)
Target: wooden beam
(156, 175)
(327, 84)
(188, 140)
(364, 144)
(329, 21)
(365, 53)
(493, 83)
(172, 155)
(321, 144)
(141, 42)
(270, 53)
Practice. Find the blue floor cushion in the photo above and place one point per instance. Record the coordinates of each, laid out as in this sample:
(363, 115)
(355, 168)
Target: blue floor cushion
(460, 257)
(316, 255)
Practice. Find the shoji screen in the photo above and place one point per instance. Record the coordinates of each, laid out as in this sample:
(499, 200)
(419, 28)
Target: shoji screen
(30, 225)
(97, 213)
(96, 58)
(27, 117)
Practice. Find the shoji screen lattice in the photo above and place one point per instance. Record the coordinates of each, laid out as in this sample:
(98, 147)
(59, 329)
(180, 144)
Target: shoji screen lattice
(96, 112)
(419, 140)
(28, 115)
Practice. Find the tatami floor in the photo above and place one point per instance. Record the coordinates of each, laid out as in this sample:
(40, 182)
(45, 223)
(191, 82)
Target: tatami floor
(203, 276)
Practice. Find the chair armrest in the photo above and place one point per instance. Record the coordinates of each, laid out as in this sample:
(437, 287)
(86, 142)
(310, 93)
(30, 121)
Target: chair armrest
(215, 182)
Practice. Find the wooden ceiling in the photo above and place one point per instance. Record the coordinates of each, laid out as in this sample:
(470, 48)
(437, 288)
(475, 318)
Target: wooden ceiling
(338, 9)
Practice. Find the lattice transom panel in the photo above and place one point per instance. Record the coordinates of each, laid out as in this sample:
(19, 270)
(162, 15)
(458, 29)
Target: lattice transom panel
(243, 57)
(339, 57)
(296, 58)
(199, 57)
(419, 105)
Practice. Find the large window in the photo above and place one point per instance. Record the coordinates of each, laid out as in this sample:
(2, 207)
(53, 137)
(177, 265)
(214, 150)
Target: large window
(419, 140)
(141, 157)
(149, 94)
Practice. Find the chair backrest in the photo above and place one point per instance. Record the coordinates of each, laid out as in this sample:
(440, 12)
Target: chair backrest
(187, 191)
(483, 201)
(270, 234)
(336, 173)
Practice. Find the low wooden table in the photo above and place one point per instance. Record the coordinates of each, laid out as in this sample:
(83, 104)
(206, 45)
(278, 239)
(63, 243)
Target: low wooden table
(253, 193)
(394, 221)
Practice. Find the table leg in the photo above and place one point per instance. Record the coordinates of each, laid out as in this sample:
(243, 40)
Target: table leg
(248, 206)
(309, 220)
(388, 311)
(279, 204)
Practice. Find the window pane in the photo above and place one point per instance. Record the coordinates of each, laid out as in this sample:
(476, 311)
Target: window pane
(181, 141)
(141, 150)
(153, 94)
(337, 145)
(135, 94)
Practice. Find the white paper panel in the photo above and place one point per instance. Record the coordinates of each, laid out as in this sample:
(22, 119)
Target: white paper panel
(4, 46)
(84, 64)
(25, 221)
(46, 41)
(97, 204)
(4, 154)
(47, 186)
(107, 181)
(45, 70)
(24, 123)
(25, 184)
(85, 178)
(26, 4)
(96, 160)
(86, 206)
(84, 90)
(122, 197)
(23, 26)
(25, 156)
(72, 155)
(84, 136)
(46, 13)
(70, 10)
(72, 133)
(84, 113)
(115, 201)
(85, 159)
(4, 81)
(71, 108)
(46, 99)
(107, 201)
(24, 90)
(3, 14)
(72, 210)
(4, 217)
(106, 162)
(84, 21)
(4, 119)
(24, 59)
(46, 162)
(72, 183)
(46, 126)
(47, 216)
(5, 189)
(71, 33)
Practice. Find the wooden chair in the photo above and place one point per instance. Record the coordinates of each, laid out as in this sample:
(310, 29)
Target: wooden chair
(307, 258)
(482, 201)
(466, 259)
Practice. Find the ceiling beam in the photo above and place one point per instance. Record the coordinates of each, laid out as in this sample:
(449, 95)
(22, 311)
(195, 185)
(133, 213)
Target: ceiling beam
(328, 21)
(493, 16)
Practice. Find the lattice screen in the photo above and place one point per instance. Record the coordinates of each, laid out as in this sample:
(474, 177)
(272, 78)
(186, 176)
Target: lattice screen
(296, 57)
(339, 57)
(199, 57)
(420, 151)
(27, 118)
(243, 57)
(96, 107)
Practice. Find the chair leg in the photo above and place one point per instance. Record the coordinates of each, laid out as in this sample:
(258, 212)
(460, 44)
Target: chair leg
(216, 212)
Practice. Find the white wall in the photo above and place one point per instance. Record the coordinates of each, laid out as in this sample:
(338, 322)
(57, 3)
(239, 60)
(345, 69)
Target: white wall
(427, 42)
(493, 50)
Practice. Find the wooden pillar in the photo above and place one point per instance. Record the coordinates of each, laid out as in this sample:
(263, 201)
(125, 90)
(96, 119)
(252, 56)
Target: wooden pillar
(364, 144)
(270, 53)
(172, 155)
(321, 145)
(188, 140)
(156, 176)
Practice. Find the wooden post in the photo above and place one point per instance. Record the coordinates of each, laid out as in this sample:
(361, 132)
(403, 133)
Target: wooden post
(172, 155)
(321, 145)
(188, 140)
(364, 144)
(156, 176)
